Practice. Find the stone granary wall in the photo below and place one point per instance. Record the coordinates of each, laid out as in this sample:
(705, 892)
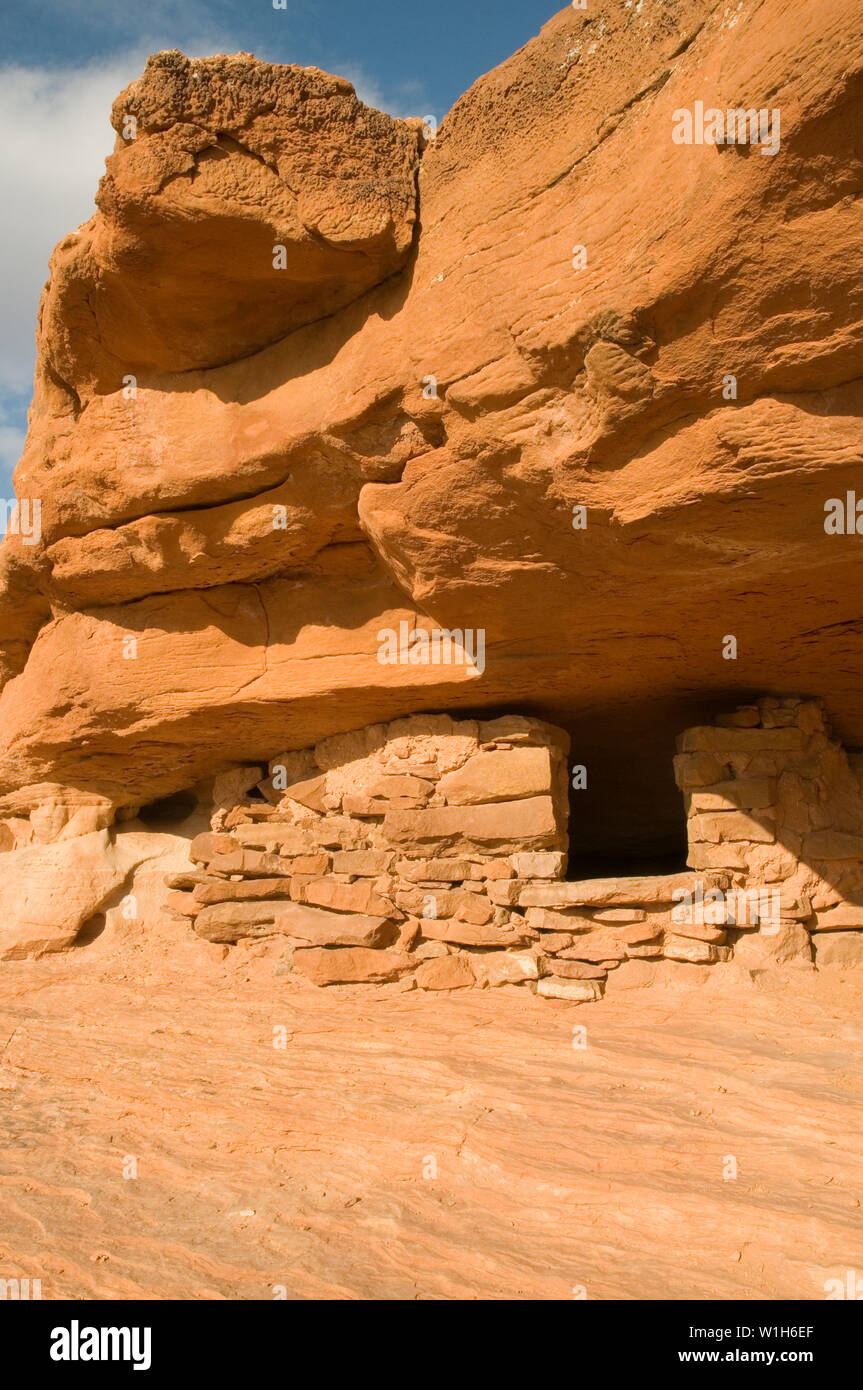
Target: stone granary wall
(388, 852)
(774, 799)
(433, 851)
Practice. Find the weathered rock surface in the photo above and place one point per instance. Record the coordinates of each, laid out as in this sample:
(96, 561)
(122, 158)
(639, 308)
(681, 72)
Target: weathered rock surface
(332, 426)
(298, 393)
(352, 965)
(216, 162)
(602, 892)
(842, 948)
(574, 991)
(231, 921)
(49, 892)
(787, 943)
(306, 1167)
(502, 828)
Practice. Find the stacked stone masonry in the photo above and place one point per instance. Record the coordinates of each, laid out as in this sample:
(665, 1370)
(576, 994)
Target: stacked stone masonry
(433, 851)
(395, 851)
(775, 801)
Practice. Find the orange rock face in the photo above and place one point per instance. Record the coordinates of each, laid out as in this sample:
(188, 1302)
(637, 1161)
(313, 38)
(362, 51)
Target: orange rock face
(557, 378)
(241, 201)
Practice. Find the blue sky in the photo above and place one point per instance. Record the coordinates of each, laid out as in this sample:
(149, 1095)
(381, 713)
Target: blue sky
(65, 60)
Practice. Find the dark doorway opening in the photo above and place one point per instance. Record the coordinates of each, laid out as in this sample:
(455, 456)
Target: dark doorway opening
(630, 818)
(177, 807)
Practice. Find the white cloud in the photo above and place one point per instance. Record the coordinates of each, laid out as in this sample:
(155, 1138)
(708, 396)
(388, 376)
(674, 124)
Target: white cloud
(11, 445)
(58, 134)
(404, 100)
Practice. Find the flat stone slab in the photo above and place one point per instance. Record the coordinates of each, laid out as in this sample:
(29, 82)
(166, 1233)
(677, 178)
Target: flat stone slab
(315, 925)
(616, 892)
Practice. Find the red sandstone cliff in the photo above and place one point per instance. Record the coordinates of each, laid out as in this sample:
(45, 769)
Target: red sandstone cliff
(563, 380)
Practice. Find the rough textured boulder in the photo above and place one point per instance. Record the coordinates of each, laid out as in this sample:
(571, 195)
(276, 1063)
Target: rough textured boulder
(425, 393)
(218, 162)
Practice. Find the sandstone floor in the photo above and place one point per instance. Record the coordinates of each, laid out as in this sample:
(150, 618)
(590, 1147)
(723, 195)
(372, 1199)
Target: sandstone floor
(312, 1166)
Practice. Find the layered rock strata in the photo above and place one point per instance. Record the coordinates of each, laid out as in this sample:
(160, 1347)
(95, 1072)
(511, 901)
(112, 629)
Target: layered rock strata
(554, 375)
